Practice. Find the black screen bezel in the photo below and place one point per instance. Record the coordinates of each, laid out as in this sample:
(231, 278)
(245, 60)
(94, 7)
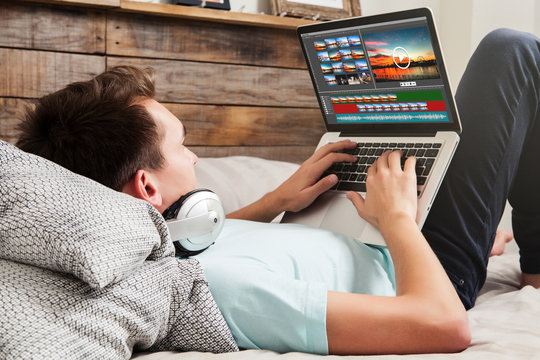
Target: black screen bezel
(455, 125)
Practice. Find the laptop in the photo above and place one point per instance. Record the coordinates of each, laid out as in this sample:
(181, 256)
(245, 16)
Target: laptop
(381, 82)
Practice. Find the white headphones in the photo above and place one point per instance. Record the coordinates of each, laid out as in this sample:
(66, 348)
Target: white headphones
(195, 221)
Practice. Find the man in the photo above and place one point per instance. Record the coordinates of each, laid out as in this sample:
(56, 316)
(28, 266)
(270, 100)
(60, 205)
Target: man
(282, 298)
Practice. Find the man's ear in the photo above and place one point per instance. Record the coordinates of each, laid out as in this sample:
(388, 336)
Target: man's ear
(143, 186)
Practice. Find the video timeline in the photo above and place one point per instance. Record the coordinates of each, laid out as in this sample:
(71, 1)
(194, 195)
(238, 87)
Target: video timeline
(406, 106)
(340, 99)
(393, 107)
(393, 117)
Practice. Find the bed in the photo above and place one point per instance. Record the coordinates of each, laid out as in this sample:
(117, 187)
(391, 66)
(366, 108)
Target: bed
(87, 281)
(505, 321)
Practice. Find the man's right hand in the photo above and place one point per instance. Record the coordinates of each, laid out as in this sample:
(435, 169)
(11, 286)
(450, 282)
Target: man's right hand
(426, 315)
(391, 191)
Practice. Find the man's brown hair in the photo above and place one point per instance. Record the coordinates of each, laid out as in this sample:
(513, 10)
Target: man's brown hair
(96, 128)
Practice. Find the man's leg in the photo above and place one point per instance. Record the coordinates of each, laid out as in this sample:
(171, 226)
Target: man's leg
(497, 99)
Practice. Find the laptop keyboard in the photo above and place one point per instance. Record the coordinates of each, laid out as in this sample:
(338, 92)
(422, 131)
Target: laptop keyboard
(352, 176)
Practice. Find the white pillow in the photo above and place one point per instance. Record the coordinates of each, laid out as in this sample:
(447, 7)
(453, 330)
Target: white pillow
(240, 180)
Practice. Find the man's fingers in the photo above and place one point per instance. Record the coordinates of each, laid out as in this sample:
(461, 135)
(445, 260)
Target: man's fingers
(332, 147)
(394, 160)
(357, 200)
(372, 169)
(322, 185)
(332, 158)
(410, 164)
(384, 162)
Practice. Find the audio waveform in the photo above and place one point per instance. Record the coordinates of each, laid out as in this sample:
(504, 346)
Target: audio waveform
(393, 117)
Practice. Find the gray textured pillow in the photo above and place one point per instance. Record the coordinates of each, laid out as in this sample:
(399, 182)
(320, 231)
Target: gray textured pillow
(58, 220)
(164, 304)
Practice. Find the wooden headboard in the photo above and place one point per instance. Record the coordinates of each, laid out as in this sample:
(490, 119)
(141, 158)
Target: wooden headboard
(237, 81)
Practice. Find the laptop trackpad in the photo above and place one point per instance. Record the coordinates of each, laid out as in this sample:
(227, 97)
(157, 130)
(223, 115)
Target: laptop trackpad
(313, 215)
(341, 216)
(336, 213)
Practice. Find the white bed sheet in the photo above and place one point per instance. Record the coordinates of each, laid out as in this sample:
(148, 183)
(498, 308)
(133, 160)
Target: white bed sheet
(505, 322)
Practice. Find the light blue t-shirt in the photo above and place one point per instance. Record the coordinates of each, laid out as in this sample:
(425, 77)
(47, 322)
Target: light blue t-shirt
(270, 281)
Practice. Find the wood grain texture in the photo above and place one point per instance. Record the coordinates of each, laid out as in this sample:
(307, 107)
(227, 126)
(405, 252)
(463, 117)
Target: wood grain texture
(32, 74)
(355, 8)
(292, 8)
(205, 83)
(272, 133)
(295, 154)
(183, 39)
(46, 27)
(11, 113)
(216, 125)
(85, 3)
(213, 15)
(240, 88)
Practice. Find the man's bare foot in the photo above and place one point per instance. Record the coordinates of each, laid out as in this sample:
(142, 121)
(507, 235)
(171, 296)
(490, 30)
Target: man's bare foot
(501, 239)
(530, 279)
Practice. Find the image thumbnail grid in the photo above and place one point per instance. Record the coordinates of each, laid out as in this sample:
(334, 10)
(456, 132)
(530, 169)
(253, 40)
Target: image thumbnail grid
(343, 61)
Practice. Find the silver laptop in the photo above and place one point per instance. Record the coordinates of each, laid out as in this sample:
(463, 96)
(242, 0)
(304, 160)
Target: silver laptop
(381, 82)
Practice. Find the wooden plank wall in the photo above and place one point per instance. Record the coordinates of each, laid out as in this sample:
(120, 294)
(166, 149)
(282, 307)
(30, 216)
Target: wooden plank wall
(240, 90)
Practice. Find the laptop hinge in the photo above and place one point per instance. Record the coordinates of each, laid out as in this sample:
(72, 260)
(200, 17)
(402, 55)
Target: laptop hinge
(386, 134)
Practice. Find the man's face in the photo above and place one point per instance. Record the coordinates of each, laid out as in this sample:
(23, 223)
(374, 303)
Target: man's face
(177, 176)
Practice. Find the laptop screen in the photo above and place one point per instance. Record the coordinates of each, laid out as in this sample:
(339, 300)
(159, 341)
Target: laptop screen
(380, 72)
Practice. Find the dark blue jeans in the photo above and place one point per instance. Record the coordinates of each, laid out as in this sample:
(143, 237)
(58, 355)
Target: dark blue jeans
(498, 159)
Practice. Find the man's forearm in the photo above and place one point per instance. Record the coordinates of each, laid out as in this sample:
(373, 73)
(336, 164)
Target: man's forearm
(418, 271)
(425, 316)
(264, 210)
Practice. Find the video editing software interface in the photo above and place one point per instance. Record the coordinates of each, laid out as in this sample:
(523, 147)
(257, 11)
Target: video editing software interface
(383, 73)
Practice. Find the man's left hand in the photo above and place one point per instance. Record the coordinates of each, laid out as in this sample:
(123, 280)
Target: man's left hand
(305, 185)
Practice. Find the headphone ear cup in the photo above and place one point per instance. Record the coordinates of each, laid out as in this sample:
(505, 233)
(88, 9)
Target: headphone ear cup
(199, 221)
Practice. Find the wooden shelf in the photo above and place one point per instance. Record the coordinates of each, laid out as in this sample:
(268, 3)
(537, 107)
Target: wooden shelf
(187, 12)
(198, 13)
(92, 3)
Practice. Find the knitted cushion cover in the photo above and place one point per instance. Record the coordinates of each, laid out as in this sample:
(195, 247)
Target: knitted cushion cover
(88, 272)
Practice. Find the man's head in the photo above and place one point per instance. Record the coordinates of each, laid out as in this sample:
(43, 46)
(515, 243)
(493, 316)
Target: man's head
(111, 130)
